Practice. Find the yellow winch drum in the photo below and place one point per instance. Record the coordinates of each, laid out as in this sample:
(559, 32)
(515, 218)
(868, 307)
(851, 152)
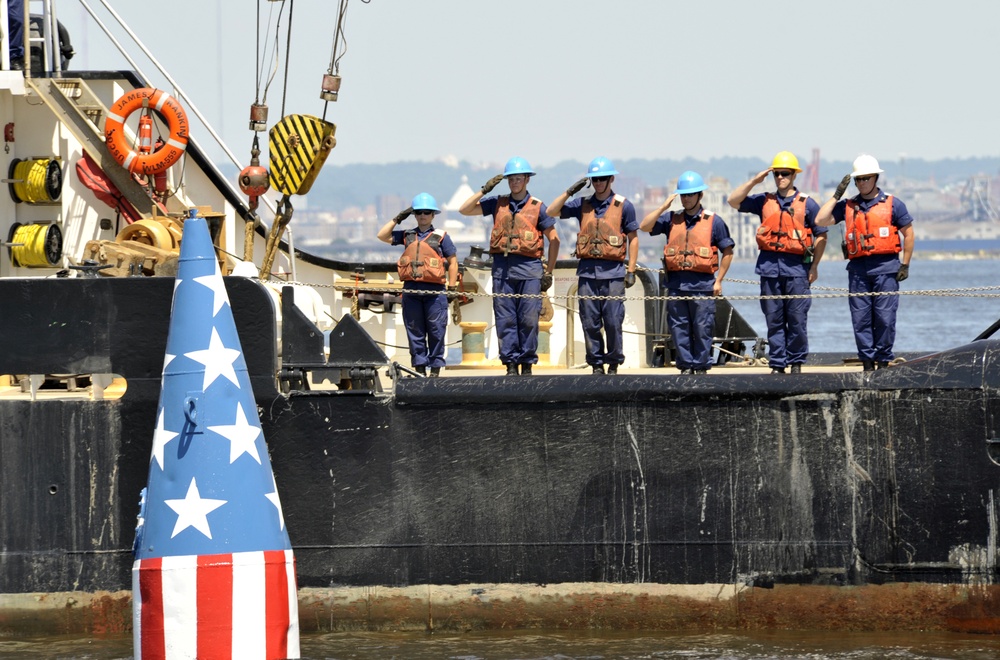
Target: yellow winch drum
(35, 246)
(35, 181)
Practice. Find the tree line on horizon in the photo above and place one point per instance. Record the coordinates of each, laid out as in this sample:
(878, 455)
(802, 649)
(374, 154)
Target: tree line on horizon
(341, 186)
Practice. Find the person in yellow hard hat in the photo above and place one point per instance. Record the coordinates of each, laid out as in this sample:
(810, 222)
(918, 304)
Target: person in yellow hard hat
(791, 246)
(877, 227)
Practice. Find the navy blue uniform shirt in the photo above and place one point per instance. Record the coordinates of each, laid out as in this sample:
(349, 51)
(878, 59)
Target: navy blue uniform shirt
(447, 250)
(685, 280)
(782, 264)
(602, 269)
(517, 266)
(876, 264)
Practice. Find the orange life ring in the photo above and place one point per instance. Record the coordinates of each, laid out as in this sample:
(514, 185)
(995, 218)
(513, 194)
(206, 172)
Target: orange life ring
(118, 143)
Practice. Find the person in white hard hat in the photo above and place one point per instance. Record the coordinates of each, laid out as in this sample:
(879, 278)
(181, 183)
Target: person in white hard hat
(877, 228)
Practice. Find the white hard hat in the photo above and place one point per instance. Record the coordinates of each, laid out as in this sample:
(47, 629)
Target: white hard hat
(865, 164)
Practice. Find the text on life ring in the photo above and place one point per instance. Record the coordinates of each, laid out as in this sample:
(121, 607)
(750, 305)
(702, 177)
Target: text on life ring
(118, 143)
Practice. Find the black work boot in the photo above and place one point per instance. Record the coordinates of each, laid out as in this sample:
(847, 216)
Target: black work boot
(525, 369)
(435, 372)
(796, 368)
(598, 369)
(777, 370)
(881, 365)
(612, 369)
(867, 365)
(511, 370)
(421, 370)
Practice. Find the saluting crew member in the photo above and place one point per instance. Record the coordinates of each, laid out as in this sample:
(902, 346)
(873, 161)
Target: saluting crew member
(877, 227)
(427, 264)
(607, 248)
(516, 245)
(791, 247)
(697, 256)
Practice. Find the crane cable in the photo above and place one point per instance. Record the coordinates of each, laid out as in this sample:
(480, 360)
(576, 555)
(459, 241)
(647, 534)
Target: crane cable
(338, 39)
(262, 59)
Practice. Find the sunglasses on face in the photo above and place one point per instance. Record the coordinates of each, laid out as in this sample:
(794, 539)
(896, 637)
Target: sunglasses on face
(783, 173)
(600, 179)
(864, 178)
(423, 212)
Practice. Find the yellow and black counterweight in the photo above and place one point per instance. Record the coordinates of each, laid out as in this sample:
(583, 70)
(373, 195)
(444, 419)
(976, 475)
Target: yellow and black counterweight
(298, 146)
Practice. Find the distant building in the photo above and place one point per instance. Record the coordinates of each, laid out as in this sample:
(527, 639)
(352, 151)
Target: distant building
(464, 231)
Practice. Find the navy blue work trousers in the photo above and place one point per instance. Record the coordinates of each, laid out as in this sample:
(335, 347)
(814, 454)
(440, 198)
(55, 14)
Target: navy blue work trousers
(787, 338)
(425, 318)
(874, 317)
(517, 320)
(606, 314)
(692, 324)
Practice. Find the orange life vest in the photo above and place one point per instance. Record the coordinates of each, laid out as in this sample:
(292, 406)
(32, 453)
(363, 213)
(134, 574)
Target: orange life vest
(602, 238)
(784, 230)
(691, 249)
(516, 233)
(422, 259)
(872, 232)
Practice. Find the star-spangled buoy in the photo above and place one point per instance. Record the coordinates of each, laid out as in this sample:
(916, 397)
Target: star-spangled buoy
(214, 575)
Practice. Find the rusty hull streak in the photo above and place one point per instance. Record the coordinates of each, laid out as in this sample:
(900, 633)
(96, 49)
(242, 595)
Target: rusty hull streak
(900, 606)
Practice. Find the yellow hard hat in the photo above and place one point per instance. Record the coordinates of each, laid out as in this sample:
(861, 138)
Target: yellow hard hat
(785, 160)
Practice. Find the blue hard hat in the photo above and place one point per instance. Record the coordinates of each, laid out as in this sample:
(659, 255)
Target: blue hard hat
(690, 182)
(425, 202)
(601, 166)
(517, 165)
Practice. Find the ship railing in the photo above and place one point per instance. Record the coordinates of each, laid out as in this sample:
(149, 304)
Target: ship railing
(179, 92)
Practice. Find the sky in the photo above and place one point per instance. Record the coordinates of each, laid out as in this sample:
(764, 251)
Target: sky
(558, 80)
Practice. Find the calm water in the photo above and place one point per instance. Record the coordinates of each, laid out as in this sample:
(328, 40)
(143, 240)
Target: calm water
(924, 324)
(534, 645)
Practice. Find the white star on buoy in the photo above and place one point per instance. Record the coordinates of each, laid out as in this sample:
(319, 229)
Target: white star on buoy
(218, 287)
(218, 361)
(161, 437)
(242, 436)
(193, 511)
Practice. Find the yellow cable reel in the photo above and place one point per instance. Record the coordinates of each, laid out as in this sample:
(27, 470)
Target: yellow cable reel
(35, 246)
(35, 181)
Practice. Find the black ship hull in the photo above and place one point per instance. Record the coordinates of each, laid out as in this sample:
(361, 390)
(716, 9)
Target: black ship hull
(839, 479)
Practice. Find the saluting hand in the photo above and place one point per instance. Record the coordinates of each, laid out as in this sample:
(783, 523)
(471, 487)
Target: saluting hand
(842, 187)
(403, 215)
(492, 183)
(577, 187)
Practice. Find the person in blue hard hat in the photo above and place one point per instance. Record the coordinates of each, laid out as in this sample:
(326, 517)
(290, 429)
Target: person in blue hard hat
(428, 264)
(791, 247)
(607, 248)
(877, 228)
(520, 222)
(697, 256)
